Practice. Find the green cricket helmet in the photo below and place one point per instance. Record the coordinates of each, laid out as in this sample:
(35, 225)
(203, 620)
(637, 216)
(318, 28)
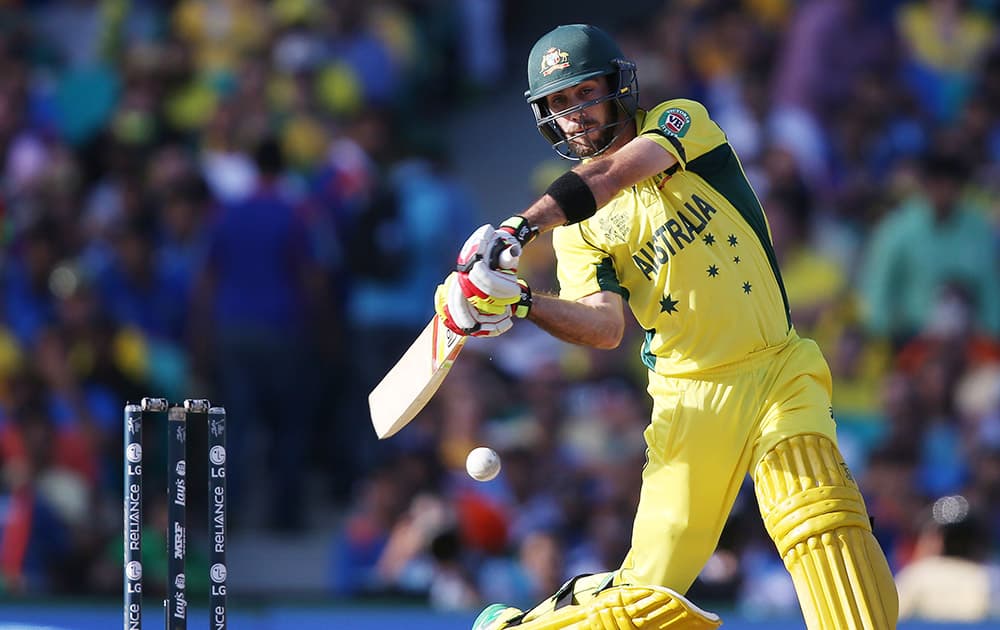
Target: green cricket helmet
(569, 55)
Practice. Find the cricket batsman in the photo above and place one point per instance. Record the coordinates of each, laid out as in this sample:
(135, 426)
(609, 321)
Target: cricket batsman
(659, 215)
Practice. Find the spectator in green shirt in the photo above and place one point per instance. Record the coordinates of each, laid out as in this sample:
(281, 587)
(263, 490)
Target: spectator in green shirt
(929, 242)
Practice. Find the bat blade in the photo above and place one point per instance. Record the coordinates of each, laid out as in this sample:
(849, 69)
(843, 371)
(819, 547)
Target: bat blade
(411, 383)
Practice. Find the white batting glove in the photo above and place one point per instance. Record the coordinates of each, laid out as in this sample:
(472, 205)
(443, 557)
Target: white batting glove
(464, 318)
(487, 266)
(487, 243)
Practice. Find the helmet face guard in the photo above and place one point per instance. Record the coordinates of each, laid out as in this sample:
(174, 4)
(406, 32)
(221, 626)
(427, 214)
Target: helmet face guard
(624, 92)
(566, 57)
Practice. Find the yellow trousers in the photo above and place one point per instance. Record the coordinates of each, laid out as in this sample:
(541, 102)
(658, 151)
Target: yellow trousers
(769, 416)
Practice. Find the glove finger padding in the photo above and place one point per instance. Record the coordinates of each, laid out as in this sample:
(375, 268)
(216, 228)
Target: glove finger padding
(474, 246)
(463, 318)
(460, 309)
(484, 244)
(442, 310)
(489, 290)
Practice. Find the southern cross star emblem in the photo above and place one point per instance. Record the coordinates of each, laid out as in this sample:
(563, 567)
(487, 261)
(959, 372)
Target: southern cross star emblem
(747, 287)
(709, 239)
(712, 271)
(732, 240)
(668, 305)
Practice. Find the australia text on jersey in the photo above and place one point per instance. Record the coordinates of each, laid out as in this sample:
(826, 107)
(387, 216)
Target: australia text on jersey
(671, 237)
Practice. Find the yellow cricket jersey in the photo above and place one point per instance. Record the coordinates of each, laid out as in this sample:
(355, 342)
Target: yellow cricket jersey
(689, 249)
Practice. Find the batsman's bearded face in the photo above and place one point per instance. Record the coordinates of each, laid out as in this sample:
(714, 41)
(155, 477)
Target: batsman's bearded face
(585, 116)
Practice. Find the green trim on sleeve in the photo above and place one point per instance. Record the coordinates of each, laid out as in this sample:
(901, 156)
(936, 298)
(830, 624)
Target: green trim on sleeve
(607, 278)
(681, 153)
(721, 170)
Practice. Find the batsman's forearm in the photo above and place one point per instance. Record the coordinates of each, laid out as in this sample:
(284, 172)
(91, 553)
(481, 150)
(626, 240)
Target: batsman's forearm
(546, 213)
(601, 179)
(583, 324)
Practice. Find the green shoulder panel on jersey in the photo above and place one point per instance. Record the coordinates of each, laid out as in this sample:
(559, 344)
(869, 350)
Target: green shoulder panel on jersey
(721, 169)
(607, 279)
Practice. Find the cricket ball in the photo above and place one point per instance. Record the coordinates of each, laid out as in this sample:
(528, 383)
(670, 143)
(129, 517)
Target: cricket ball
(483, 463)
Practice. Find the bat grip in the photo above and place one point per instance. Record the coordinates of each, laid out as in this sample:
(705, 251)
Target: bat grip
(509, 256)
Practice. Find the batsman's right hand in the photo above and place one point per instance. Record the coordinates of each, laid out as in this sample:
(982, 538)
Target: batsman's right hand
(465, 319)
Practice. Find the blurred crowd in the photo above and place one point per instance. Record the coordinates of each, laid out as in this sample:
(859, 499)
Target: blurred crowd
(252, 202)
(220, 199)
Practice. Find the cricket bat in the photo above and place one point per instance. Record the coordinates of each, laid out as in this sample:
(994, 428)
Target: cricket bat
(411, 383)
(415, 378)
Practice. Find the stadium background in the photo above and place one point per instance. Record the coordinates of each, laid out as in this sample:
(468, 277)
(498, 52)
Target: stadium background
(253, 201)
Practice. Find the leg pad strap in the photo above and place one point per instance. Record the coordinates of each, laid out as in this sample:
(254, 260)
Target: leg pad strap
(625, 608)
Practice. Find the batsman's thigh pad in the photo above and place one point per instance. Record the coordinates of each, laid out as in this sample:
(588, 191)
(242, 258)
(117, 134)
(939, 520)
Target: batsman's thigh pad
(624, 608)
(816, 516)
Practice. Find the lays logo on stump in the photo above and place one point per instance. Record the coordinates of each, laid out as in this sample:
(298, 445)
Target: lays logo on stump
(554, 59)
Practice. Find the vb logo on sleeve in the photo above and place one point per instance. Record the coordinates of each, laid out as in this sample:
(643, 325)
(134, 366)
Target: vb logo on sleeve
(675, 122)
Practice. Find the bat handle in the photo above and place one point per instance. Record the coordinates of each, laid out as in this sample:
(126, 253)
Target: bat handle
(509, 256)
